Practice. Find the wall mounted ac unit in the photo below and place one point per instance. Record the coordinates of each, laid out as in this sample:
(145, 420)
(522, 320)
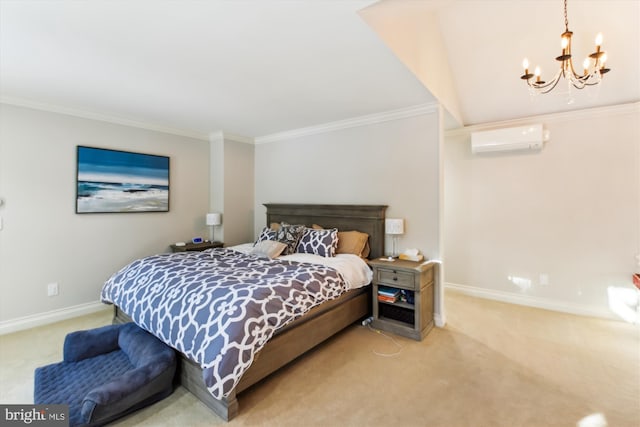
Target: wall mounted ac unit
(528, 138)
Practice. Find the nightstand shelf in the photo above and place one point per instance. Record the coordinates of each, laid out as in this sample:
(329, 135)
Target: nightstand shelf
(411, 316)
(400, 304)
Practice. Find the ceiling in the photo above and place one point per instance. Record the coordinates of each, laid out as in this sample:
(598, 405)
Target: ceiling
(260, 67)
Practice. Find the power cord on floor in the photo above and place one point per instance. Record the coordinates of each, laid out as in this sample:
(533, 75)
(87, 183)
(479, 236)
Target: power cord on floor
(367, 322)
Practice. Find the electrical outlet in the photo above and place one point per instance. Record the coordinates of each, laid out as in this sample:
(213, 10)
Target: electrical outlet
(52, 289)
(544, 279)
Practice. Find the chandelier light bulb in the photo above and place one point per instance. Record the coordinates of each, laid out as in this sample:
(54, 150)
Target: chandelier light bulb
(564, 43)
(537, 74)
(603, 59)
(525, 64)
(599, 40)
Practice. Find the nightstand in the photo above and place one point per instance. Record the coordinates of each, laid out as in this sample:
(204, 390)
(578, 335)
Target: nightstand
(196, 246)
(403, 297)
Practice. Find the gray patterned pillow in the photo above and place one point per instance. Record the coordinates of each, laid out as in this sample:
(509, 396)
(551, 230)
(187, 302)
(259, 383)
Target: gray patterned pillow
(319, 242)
(290, 236)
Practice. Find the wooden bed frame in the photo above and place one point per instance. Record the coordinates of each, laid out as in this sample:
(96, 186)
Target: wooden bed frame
(313, 328)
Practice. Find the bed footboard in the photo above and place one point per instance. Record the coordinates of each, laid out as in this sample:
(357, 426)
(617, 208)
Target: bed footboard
(190, 375)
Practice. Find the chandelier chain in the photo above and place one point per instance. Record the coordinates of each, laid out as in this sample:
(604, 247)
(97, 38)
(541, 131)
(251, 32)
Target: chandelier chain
(566, 20)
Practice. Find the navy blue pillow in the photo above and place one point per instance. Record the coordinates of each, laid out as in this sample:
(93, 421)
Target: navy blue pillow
(266, 234)
(318, 242)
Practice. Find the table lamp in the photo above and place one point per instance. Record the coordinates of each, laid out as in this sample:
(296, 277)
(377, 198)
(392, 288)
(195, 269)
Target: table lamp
(394, 227)
(213, 219)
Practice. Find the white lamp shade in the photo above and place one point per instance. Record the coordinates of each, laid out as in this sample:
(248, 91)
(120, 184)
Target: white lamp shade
(394, 226)
(214, 218)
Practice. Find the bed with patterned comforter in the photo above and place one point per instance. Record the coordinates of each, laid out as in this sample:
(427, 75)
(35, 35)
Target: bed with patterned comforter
(219, 307)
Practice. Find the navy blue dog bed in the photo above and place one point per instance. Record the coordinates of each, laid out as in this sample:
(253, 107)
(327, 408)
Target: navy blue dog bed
(107, 373)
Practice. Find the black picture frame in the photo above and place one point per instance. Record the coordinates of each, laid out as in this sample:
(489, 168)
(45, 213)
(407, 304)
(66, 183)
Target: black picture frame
(116, 181)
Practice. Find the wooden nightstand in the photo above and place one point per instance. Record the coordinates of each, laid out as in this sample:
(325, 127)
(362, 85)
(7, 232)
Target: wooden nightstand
(403, 297)
(196, 246)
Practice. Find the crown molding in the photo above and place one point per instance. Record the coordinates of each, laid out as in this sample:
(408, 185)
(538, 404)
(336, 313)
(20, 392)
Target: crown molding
(587, 113)
(349, 123)
(221, 136)
(19, 102)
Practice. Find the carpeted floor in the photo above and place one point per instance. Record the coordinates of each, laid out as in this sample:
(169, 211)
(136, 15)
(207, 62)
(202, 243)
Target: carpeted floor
(494, 364)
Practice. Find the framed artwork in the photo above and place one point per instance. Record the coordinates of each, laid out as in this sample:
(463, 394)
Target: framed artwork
(121, 181)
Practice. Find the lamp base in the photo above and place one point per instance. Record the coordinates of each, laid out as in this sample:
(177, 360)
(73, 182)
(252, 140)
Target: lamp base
(394, 254)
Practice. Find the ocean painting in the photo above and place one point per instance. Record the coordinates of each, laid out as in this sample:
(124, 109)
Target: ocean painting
(121, 181)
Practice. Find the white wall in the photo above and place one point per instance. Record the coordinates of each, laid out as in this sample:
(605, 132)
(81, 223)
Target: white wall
(571, 212)
(395, 163)
(43, 240)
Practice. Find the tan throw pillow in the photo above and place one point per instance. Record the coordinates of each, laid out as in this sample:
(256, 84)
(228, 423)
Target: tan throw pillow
(366, 251)
(268, 248)
(352, 242)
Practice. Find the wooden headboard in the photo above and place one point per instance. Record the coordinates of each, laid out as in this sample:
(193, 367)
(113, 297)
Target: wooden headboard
(365, 218)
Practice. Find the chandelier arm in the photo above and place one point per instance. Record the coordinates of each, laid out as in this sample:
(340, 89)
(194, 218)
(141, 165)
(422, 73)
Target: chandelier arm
(577, 84)
(592, 83)
(555, 83)
(570, 60)
(549, 86)
(575, 78)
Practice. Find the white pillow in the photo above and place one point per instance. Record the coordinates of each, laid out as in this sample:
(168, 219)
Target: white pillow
(268, 248)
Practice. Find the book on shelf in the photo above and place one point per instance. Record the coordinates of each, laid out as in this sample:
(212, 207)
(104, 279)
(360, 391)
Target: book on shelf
(383, 290)
(385, 298)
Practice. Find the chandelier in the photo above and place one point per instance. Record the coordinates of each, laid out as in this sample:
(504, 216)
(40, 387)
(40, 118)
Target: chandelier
(593, 66)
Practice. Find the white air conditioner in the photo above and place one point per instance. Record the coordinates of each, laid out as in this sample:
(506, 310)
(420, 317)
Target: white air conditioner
(528, 138)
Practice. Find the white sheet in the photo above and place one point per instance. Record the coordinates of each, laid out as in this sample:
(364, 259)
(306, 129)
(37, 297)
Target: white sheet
(355, 271)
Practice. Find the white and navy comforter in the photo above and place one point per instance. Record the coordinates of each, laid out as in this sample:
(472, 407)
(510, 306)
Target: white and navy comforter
(219, 307)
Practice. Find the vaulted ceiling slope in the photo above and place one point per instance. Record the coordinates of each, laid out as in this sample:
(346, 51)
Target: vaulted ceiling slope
(260, 67)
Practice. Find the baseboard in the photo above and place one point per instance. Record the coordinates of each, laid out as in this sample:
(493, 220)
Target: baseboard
(439, 320)
(40, 319)
(530, 301)
(27, 322)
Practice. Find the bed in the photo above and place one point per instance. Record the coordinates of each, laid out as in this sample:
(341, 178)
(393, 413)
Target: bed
(307, 331)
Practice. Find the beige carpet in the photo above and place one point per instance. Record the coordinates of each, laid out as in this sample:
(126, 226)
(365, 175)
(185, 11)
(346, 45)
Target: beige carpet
(494, 364)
